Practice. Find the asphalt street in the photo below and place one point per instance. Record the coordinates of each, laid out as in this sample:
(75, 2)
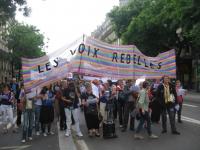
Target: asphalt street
(188, 140)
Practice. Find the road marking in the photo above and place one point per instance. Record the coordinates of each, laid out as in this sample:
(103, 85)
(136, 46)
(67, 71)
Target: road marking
(65, 142)
(190, 120)
(190, 105)
(15, 147)
(82, 145)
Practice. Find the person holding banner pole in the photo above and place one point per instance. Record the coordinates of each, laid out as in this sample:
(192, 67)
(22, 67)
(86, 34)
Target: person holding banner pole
(71, 101)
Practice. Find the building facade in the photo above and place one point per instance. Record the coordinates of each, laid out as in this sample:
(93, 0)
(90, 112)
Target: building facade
(5, 59)
(105, 32)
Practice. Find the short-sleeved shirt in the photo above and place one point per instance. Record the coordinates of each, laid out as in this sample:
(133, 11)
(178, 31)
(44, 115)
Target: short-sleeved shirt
(72, 96)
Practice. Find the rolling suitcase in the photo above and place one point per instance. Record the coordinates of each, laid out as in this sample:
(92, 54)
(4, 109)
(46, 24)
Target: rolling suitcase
(109, 125)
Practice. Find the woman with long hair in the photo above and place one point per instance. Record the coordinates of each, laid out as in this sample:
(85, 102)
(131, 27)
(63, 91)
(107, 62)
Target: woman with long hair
(47, 110)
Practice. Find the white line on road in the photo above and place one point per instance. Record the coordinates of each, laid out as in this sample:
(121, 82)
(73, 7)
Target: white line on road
(190, 105)
(82, 145)
(65, 143)
(190, 120)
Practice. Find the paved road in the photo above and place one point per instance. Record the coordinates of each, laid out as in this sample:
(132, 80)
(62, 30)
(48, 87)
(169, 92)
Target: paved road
(189, 138)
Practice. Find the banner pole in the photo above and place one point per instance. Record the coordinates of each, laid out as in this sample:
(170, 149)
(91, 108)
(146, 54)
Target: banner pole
(79, 68)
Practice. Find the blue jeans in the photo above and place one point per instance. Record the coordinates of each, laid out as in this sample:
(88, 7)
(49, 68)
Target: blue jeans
(144, 117)
(37, 118)
(27, 123)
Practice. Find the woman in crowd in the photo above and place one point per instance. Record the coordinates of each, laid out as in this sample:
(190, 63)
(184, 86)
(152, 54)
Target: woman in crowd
(7, 100)
(47, 110)
(155, 106)
(90, 103)
(143, 105)
(38, 105)
(167, 97)
(180, 94)
(120, 101)
(27, 99)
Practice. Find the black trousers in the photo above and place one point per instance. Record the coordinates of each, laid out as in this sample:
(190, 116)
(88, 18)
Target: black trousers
(179, 111)
(63, 125)
(19, 114)
(156, 111)
(171, 113)
(129, 107)
(121, 108)
(43, 126)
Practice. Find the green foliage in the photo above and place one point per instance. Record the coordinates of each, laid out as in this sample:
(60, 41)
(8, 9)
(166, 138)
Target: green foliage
(9, 7)
(25, 41)
(152, 26)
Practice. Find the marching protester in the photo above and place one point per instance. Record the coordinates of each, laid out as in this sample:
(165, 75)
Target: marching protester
(120, 101)
(90, 103)
(155, 106)
(105, 95)
(7, 100)
(129, 107)
(71, 104)
(167, 97)
(180, 94)
(47, 110)
(143, 104)
(59, 93)
(37, 107)
(28, 114)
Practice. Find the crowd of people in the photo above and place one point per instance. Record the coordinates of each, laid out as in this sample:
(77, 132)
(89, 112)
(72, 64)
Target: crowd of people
(146, 103)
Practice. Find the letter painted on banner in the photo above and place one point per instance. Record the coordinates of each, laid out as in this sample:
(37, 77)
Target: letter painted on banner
(114, 57)
(122, 58)
(81, 48)
(48, 66)
(39, 69)
(95, 52)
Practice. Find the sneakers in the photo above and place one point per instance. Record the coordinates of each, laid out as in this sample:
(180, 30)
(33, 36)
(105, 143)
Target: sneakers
(79, 134)
(23, 141)
(30, 138)
(152, 136)
(37, 133)
(44, 134)
(68, 133)
(138, 137)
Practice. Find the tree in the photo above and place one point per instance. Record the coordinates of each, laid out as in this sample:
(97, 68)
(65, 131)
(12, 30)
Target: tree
(25, 41)
(154, 24)
(9, 7)
(121, 16)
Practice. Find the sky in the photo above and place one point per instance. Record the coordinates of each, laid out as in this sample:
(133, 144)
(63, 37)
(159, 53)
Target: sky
(63, 21)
